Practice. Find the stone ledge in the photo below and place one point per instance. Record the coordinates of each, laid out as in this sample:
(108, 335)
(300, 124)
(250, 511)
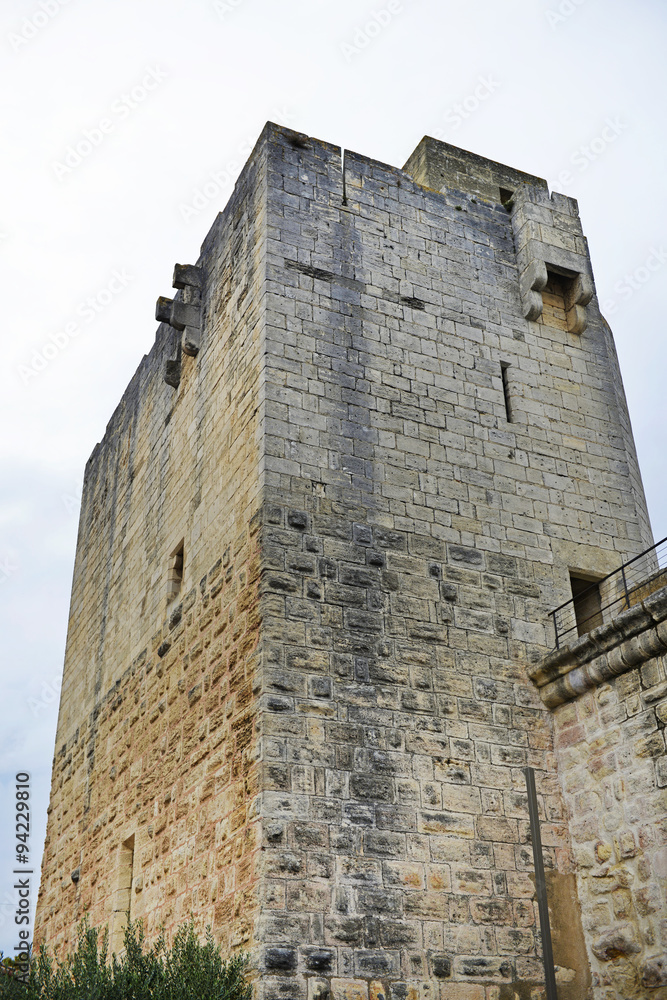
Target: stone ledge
(634, 636)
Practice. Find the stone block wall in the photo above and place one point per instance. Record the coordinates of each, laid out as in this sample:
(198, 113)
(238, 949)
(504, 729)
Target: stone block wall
(175, 465)
(138, 727)
(609, 694)
(396, 724)
(167, 761)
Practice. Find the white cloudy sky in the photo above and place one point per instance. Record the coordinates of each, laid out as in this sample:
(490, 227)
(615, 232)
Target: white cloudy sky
(570, 90)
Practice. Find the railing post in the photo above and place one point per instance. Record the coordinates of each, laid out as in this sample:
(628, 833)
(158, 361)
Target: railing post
(553, 615)
(625, 587)
(541, 887)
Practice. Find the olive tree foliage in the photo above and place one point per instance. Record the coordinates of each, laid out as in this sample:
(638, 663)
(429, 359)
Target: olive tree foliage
(189, 970)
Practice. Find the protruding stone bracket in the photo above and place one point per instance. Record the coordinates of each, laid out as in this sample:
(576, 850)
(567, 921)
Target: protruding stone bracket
(578, 294)
(172, 372)
(163, 309)
(549, 242)
(531, 282)
(172, 366)
(183, 314)
(187, 274)
(578, 290)
(177, 314)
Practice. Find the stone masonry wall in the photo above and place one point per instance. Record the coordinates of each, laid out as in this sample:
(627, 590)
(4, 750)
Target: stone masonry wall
(609, 691)
(169, 756)
(174, 464)
(396, 723)
(146, 738)
(429, 537)
(611, 754)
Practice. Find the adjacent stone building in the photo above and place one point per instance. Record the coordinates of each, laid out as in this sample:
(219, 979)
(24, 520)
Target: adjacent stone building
(380, 436)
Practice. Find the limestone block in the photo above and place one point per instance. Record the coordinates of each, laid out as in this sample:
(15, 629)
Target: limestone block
(188, 275)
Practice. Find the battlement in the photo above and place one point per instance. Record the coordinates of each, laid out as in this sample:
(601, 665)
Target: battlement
(440, 166)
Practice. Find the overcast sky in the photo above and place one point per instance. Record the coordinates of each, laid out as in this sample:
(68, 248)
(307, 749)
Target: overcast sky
(124, 126)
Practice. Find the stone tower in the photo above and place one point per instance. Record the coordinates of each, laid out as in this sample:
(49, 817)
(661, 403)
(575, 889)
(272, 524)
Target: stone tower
(380, 436)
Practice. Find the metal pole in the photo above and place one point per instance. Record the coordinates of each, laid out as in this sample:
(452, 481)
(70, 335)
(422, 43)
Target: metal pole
(625, 587)
(541, 887)
(553, 615)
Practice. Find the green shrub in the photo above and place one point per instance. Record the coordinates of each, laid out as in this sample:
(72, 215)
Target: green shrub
(188, 971)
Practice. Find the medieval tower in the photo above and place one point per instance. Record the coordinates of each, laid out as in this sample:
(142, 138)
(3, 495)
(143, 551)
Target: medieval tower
(381, 435)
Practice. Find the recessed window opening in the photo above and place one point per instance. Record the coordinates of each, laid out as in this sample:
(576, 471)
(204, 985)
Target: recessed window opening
(506, 198)
(504, 366)
(557, 297)
(175, 572)
(586, 603)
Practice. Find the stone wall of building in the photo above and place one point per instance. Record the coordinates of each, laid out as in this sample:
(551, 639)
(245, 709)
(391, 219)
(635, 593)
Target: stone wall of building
(440, 523)
(609, 694)
(167, 762)
(406, 387)
(175, 465)
(397, 724)
(178, 464)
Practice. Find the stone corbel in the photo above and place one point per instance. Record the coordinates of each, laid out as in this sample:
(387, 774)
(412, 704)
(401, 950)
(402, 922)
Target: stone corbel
(183, 315)
(531, 283)
(578, 294)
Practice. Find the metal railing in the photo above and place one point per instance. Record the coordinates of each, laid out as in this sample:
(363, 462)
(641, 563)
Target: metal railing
(605, 598)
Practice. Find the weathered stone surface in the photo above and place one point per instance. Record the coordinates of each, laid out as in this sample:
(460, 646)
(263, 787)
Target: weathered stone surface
(280, 958)
(654, 973)
(615, 942)
(320, 753)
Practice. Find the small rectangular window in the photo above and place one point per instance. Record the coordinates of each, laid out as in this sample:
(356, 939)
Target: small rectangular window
(559, 300)
(587, 604)
(504, 365)
(175, 572)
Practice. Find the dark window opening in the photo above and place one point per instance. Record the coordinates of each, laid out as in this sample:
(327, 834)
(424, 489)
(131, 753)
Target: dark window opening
(587, 604)
(504, 366)
(506, 198)
(175, 572)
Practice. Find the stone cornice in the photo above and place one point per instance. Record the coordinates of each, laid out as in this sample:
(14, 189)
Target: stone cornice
(635, 635)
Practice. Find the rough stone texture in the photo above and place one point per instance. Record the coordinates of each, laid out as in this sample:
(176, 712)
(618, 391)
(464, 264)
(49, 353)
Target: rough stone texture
(351, 711)
(157, 711)
(630, 638)
(610, 747)
(170, 757)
